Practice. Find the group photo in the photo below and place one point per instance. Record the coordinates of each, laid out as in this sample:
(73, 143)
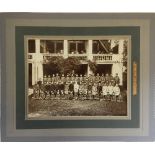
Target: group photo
(75, 87)
(76, 77)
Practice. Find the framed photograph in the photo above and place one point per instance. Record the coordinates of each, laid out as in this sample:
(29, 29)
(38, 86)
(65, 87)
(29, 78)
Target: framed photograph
(77, 77)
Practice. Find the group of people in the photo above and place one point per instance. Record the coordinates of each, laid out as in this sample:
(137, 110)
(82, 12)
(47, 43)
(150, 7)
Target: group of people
(76, 87)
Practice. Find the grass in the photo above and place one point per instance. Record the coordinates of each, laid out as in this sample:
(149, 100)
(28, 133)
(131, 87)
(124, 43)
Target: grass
(50, 108)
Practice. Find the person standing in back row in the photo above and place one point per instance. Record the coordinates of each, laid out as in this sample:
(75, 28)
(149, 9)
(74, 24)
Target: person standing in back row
(76, 90)
(99, 89)
(117, 79)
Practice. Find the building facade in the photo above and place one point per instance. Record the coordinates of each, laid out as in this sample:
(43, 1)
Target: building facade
(107, 53)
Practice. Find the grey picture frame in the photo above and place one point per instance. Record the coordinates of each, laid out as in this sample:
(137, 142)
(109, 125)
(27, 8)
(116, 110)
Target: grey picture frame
(144, 132)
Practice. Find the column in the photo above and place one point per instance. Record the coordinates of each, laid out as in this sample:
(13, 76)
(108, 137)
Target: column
(33, 73)
(39, 71)
(89, 55)
(44, 47)
(121, 46)
(38, 60)
(65, 55)
(90, 50)
(37, 46)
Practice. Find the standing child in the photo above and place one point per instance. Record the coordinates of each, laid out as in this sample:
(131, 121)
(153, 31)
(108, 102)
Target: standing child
(80, 91)
(99, 89)
(76, 90)
(89, 93)
(107, 91)
(94, 90)
(66, 90)
(52, 90)
(55, 88)
(36, 91)
(84, 92)
(67, 83)
(104, 91)
(71, 90)
(116, 91)
(110, 91)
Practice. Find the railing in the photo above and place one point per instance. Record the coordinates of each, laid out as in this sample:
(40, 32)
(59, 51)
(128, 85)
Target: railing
(46, 56)
(107, 57)
(81, 57)
(52, 54)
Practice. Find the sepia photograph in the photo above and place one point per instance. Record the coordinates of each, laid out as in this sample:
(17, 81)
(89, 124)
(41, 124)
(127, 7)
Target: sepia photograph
(77, 77)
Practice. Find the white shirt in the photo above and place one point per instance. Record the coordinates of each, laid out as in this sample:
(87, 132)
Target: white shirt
(116, 90)
(76, 87)
(104, 90)
(110, 90)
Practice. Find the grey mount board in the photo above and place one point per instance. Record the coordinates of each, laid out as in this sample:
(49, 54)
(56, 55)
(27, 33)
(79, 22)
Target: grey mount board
(9, 132)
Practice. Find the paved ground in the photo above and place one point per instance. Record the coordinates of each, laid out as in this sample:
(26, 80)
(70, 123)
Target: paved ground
(49, 108)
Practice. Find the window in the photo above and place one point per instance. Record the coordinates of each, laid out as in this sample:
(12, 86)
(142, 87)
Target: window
(52, 46)
(77, 46)
(31, 46)
(101, 47)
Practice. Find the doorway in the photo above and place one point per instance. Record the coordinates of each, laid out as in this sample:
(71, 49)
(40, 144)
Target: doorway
(104, 69)
(30, 74)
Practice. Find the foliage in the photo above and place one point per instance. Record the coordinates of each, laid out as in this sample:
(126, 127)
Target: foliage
(58, 64)
(92, 65)
(55, 64)
(71, 64)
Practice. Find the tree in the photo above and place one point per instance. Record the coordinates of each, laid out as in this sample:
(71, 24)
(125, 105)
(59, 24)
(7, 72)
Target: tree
(60, 65)
(92, 65)
(55, 64)
(71, 64)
